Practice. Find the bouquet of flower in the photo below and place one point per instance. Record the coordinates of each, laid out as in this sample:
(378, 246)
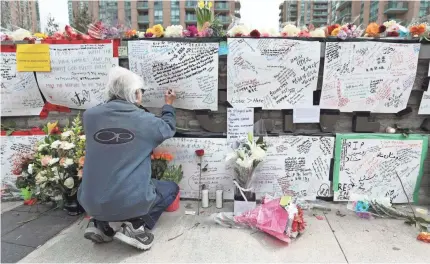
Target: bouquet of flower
(247, 155)
(393, 28)
(159, 164)
(346, 31)
(100, 30)
(375, 31)
(204, 14)
(173, 173)
(157, 31)
(290, 30)
(69, 33)
(55, 170)
(418, 29)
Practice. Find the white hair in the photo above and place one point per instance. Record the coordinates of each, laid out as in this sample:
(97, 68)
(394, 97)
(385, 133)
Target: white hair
(124, 84)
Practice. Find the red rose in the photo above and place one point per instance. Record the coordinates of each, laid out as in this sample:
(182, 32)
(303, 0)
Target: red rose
(382, 28)
(200, 152)
(255, 33)
(392, 34)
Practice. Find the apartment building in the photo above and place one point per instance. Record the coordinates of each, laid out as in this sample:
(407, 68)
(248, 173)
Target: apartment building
(143, 14)
(304, 12)
(24, 14)
(365, 12)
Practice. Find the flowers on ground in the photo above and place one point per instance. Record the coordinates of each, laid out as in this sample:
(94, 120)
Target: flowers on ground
(54, 171)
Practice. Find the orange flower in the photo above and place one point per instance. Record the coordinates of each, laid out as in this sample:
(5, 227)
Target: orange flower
(372, 30)
(418, 30)
(81, 161)
(335, 32)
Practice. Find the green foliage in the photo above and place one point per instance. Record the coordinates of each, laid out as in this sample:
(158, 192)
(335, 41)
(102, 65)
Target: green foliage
(173, 173)
(9, 127)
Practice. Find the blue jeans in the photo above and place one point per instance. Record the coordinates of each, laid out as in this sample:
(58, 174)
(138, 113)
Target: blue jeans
(166, 194)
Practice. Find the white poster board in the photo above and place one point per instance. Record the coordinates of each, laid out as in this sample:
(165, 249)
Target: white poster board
(20, 94)
(79, 74)
(368, 76)
(183, 151)
(191, 69)
(272, 73)
(425, 103)
(296, 165)
(368, 165)
(240, 122)
(11, 148)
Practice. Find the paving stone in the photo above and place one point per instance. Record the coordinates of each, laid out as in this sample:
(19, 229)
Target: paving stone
(38, 208)
(11, 253)
(37, 232)
(10, 220)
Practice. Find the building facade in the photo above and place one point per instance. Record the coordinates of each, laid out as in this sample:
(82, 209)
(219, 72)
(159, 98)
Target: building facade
(365, 11)
(144, 14)
(24, 14)
(303, 13)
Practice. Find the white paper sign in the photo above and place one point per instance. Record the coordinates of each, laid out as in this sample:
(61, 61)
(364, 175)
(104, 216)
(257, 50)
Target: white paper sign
(12, 148)
(122, 51)
(183, 151)
(425, 103)
(20, 94)
(272, 73)
(190, 69)
(296, 165)
(78, 75)
(309, 114)
(370, 166)
(240, 122)
(368, 76)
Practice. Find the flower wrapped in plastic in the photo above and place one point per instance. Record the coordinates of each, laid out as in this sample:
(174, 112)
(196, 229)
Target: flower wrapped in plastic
(282, 222)
(101, 30)
(247, 155)
(290, 30)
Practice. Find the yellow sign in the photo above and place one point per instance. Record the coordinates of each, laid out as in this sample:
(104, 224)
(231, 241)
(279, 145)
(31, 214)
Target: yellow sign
(33, 57)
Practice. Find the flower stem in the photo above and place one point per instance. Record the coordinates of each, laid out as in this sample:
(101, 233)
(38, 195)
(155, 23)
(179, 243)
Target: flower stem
(200, 186)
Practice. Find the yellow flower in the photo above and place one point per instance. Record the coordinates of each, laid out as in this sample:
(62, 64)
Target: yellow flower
(201, 4)
(51, 127)
(335, 31)
(40, 35)
(158, 30)
(150, 30)
(210, 4)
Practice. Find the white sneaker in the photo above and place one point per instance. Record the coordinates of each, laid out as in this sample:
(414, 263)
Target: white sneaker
(95, 233)
(138, 238)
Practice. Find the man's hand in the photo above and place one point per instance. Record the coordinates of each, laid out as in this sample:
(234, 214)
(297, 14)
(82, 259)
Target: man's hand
(169, 97)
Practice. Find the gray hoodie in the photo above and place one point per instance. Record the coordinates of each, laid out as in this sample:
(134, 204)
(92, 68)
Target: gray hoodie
(116, 183)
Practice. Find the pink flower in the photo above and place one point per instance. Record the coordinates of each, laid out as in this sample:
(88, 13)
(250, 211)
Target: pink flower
(304, 34)
(149, 35)
(284, 34)
(265, 35)
(45, 160)
(192, 31)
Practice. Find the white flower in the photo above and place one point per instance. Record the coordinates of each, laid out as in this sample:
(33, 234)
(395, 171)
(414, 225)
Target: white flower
(20, 34)
(175, 31)
(231, 156)
(42, 146)
(390, 23)
(273, 32)
(68, 162)
(56, 144)
(66, 145)
(245, 163)
(238, 30)
(66, 135)
(30, 168)
(53, 161)
(318, 33)
(290, 30)
(57, 175)
(82, 137)
(40, 178)
(141, 34)
(69, 183)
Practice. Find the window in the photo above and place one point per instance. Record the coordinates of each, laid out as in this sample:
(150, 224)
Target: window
(158, 15)
(127, 10)
(174, 16)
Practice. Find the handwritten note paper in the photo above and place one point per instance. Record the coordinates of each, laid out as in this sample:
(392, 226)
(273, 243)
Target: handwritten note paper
(309, 114)
(33, 57)
(191, 69)
(20, 95)
(11, 148)
(425, 103)
(240, 122)
(368, 76)
(272, 73)
(296, 165)
(79, 75)
(183, 151)
(369, 165)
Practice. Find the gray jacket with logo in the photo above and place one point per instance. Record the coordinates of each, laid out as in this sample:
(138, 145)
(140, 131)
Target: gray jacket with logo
(116, 183)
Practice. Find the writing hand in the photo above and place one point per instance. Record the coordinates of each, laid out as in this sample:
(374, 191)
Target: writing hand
(169, 96)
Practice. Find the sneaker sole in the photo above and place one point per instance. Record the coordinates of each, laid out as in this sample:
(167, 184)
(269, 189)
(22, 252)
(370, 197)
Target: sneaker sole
(91, 233)
(132, 242)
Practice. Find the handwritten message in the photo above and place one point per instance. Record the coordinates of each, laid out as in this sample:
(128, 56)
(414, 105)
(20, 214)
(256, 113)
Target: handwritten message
(12, 148)
(368, 76)
(240, 122)
(425, 103)
(191, 69)
(369, 166)
(20, 94)
(78, 75)
(272, 73)
(183, 151)
(296, 165)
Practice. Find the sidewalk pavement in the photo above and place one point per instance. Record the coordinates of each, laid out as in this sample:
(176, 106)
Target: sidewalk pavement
(187, 238)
